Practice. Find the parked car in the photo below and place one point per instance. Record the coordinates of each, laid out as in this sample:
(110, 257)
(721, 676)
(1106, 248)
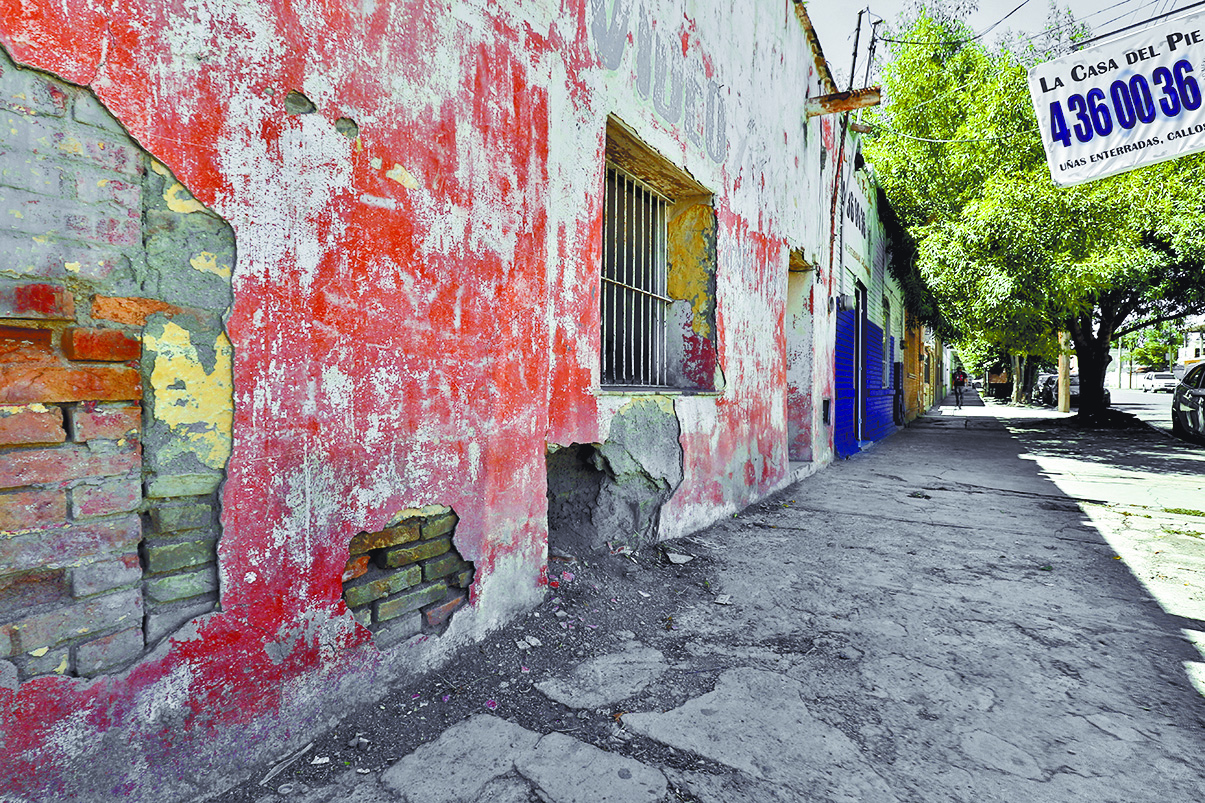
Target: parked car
(1155, 381)
(1041, 387)
(1048, 392)
(1188, 405)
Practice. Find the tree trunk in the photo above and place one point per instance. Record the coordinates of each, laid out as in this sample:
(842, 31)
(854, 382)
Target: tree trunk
(1092, 352)
(1018, 378)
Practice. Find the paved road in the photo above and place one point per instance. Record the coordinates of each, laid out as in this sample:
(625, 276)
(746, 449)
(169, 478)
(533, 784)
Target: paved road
(1153, 408)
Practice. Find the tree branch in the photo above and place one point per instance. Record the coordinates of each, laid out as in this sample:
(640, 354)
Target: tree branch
(1149, 322)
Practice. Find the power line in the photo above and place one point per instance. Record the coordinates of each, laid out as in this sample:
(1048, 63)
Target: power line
(979, 35)
(895, 133)
(1080, 20)
(1137, 24)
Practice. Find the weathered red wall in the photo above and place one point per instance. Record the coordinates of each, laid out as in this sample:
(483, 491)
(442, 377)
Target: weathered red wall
(399, 341)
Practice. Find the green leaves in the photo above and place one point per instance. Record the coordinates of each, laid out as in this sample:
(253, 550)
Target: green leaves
(1009, 259)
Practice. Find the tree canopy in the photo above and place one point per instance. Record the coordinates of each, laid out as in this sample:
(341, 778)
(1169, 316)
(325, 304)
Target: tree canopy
(1009, 258)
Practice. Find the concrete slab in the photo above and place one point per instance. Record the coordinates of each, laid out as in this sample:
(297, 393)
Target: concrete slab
(606, 679)
(489, 760)
(757, 722)
(565, 770)
(457, 766)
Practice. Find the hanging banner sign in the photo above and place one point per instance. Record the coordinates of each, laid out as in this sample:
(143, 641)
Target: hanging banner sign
(1124, 104)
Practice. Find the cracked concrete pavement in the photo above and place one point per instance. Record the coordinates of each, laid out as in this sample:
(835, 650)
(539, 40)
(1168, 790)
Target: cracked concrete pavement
(991, 605)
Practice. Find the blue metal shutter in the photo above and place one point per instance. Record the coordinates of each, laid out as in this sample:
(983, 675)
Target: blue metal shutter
(845, 413)
(879, 399)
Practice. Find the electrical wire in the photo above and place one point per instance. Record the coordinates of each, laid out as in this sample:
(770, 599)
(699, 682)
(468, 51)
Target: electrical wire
(979, 35)
(1079, 21)
(1137, 24)
(895, 133)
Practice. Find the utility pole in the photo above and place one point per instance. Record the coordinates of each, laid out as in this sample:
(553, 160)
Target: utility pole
(1064, 375)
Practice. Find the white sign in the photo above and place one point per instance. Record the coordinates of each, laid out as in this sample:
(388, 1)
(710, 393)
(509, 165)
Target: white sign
(1124, 104)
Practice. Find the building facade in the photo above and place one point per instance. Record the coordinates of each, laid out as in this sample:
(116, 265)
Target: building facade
(321, 325)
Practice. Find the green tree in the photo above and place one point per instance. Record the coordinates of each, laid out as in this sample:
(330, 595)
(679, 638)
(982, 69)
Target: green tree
(1009, 258)
(1156, 346)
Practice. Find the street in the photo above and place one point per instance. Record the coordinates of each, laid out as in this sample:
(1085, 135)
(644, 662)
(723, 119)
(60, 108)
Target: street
(1151, 408)
(990, 605)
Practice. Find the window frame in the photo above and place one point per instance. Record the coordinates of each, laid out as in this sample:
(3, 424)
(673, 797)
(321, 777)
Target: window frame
(685, 342)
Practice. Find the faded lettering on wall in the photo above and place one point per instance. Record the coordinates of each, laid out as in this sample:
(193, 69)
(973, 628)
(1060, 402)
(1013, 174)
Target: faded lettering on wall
(682, 94)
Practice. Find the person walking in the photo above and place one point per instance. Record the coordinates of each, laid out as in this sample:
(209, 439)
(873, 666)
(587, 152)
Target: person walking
(960, 381)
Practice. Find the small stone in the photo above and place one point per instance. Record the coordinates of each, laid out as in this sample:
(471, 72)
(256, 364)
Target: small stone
(723, 599)
(678, 558)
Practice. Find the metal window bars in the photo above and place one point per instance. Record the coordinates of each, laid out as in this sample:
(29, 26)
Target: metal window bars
(634, 301)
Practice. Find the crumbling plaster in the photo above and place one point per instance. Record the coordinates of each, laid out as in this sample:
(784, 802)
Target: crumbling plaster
(414, 316)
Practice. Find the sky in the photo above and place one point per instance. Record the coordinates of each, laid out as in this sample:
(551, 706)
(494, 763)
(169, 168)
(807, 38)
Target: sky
(835, 20)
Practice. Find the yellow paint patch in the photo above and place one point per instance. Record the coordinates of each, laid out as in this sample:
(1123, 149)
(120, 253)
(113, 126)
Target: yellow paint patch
(198, 407)
(74, 267)
(16, 213)
(38, 238)
(690, 261)
(160, 168)
(180, 200)
(402, 176)
(418, 512)
(208, 263)
(71, 145)
(104, 182)
(14, 409)
(62, 667)
(40, 651)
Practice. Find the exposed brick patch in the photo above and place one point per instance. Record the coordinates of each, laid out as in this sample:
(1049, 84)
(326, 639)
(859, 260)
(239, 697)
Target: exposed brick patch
(105, 422)
(51, 628)
(391, 536)
(36, 301)
(437, 614)
(130, 311)
(52, 466)
(170, 556)
(106, 575)
(102, 345)
(108, 652)
(407, 578)
(357, 566)
(32, 589)
(25, 425)
(32, 510)
(47, 384)
(21, 344)
(105, 497)
(108, 525)
(69, 546)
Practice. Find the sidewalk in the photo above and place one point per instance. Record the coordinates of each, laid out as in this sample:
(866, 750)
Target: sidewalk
(988, 606)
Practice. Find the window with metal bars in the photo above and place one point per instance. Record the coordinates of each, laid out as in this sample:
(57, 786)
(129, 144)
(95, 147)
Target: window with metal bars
(634, 305)
(657, 299)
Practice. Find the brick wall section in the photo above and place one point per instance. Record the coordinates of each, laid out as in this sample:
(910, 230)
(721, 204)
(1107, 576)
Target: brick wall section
(407, 579)
(108, 529)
